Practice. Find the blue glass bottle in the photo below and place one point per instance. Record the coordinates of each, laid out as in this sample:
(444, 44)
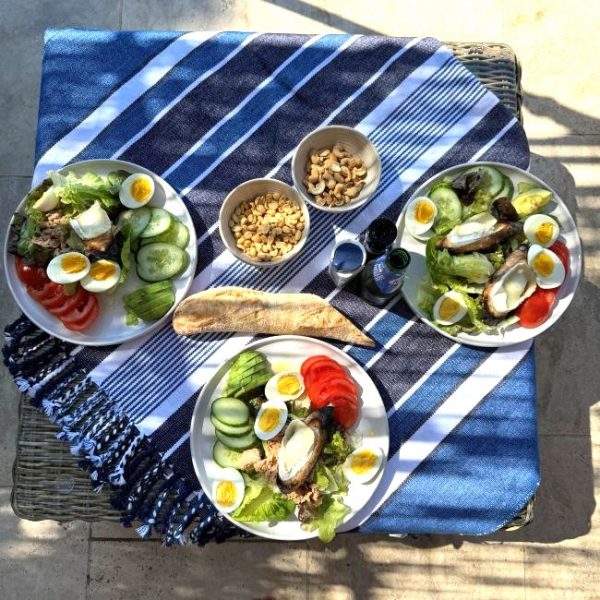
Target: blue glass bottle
(382, 278)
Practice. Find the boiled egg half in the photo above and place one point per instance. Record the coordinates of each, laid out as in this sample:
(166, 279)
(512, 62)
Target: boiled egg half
(285, 386)
(228, 490)
(136, 190)
(541, 229)
(270, 420)
(549, 270)
(449, 308)
(420, 215)
(363, 464)
(68, 268)
(103, 276)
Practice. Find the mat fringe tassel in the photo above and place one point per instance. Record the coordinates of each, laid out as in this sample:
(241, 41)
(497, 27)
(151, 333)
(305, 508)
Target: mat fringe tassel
(143, 486)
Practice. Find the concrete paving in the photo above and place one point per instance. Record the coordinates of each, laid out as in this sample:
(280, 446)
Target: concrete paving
(555, 557)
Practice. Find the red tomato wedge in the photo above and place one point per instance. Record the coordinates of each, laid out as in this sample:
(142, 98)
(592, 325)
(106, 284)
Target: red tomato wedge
(537, 308)
(313, 378)
(55, 300)
(69, 303)
(311, 360)
(82, 316)
(560, 249)
(31, 275)
(344, 411)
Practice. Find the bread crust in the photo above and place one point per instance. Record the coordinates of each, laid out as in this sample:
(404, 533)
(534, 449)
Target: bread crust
(244, 310)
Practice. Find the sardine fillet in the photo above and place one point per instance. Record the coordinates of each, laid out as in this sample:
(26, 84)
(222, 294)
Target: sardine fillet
(249, 311)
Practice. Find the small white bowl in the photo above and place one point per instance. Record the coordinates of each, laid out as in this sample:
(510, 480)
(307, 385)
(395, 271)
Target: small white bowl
(247, 191)
(352, 140)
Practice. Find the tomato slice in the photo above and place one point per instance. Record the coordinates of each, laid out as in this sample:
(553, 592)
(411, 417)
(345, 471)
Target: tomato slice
(323, 365)
(82, 317)
(69, 303)
(310, 361)
(31, 275)
(48, 290)
(323, 374)
(325, 388)
(560, 249)
(536, 309)
(55, 299)
(344, 411)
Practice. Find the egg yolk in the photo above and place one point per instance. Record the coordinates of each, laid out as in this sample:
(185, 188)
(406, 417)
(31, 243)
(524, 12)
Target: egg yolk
(101, 271)
(448, 308)
(73, 263)
(140, 189)
(543, 234)
(268, 419)
(226, 493)
(543, 264)
(423, 212)
(363, 462)
(288, 385)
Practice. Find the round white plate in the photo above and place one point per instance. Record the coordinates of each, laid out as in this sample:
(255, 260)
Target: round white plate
(286, 353)
(109, 328)
(515, 333)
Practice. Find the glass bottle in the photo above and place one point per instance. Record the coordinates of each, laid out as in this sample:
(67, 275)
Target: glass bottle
(379, 236)
(382, 278)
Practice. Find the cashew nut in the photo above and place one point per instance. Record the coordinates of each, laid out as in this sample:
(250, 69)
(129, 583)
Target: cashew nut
(316, 189)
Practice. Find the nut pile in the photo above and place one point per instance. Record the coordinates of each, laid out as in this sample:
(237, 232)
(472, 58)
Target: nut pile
(267, 227)
(334, 176)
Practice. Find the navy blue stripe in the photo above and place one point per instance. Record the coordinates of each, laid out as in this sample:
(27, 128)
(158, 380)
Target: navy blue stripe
(182, 460)
(137, 116)
(110, 58)
(206, 105)
(177, 425)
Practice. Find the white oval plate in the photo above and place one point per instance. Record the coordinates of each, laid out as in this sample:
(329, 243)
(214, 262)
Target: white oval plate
(286, 353)
(515, 333)
(109, 328)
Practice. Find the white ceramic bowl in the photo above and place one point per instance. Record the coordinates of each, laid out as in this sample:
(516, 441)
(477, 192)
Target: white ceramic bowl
(247, 191)
(353, 141)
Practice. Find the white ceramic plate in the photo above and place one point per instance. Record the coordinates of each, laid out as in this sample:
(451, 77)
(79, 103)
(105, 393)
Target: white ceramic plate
(515, 333)
(286, 353)
(109, 328)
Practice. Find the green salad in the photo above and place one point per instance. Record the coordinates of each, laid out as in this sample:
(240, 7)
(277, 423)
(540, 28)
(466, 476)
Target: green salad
(280, 458)
(493, 254)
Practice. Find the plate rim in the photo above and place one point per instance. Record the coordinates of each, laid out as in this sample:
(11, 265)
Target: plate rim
(196, 424)
(471, 340)
(73, 338)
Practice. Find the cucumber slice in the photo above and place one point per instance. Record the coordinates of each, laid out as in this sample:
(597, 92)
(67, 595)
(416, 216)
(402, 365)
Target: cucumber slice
(234, 430)
(137, 220)
(230, 411)
(161, 221)
(449, 209)
(226, 457)
(156, 262)
(495, 178)
(237, 443)
(507, 190)
(178, 235)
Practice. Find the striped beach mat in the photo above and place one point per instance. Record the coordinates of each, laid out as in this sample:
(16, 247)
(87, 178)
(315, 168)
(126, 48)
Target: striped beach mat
(207, 111)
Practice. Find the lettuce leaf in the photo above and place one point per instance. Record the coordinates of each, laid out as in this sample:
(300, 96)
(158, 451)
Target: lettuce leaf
(125, 254)
(444, 267)
(336, 450)
(77, 194)
(29, 229)
(481, 203)
(331, 480)
(329, 517)
(262, 503)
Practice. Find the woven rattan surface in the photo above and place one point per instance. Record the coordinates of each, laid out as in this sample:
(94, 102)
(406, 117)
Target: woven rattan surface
(48, 483)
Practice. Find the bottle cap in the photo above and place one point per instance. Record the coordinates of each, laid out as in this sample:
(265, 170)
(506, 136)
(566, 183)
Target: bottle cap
(398, 259)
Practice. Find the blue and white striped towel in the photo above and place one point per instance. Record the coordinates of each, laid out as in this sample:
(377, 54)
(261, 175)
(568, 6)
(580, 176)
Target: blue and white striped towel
(207, 111)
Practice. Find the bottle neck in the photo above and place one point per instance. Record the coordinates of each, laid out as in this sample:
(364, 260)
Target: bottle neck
(397, 260)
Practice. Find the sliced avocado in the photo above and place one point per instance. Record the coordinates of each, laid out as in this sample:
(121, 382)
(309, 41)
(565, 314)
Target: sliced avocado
(531, 201)
(251, 384)
(525, 186)
(248, 367)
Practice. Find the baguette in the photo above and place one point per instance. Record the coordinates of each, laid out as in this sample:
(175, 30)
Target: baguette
(249, 311)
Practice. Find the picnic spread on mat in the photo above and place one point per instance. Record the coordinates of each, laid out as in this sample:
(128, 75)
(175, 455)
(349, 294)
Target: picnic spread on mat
(285, 285)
